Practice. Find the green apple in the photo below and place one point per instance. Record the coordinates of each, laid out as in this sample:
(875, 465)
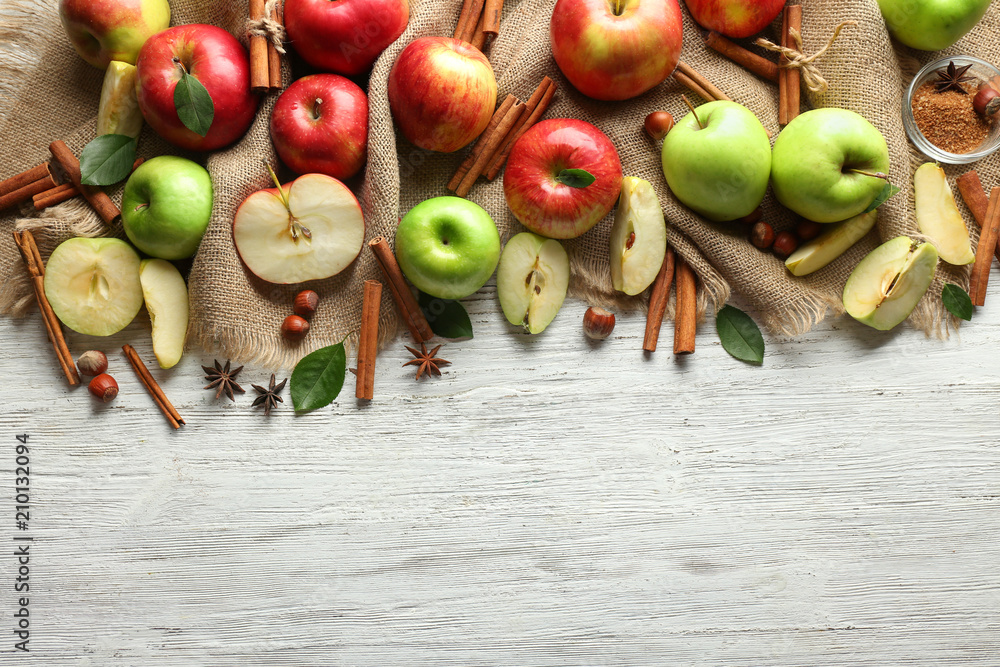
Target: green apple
(826, 165)
(118, 112)
(831, 244)
(167, 206)
(931, 25)
(532, 280)
(166, 299)
(717, 163)
(638, 240)
(93, 285)
(887, 284)
(447, 247)
(938, 217)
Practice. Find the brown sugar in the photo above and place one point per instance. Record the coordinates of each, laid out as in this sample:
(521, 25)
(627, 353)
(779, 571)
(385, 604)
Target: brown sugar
(948, 120)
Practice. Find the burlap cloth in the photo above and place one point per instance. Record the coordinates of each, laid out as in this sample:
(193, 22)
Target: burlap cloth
(47, 92)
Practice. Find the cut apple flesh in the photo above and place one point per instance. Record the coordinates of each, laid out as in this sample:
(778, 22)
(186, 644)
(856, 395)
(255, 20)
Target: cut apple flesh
(532, 280)
(938, 217)
(831, 244)
(166, 299)
(886, 285)
(638, 239)
(118, 112)
(93, 285)
(317, 235)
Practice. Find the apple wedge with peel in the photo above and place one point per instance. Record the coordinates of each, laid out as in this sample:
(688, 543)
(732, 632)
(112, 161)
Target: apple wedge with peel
(938, 217)
(93, 285)
(638, 239)
(831, 244)
(309, 229)
(886, 285)
(532, 280)
(118, 111)
(166, 299)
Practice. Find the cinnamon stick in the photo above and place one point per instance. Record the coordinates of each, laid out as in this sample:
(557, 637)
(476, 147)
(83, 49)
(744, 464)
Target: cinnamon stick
(368, 340)
(480, 144)
(691, 85)
(658, 298)
(493, 142)
(479, 35)
(65, 191)
(702, 81)
(535, 108)
(463, 18)
(18, 181)
(491, 17)
(988, 237)
(25, 242)
(685, 308)
(789, 82)
(971, 189)
(759, 65)
(25, 193)
(469, 29)
(101, 202)
(260, 81)
(273, 57)
(161, 400)
(401, 294)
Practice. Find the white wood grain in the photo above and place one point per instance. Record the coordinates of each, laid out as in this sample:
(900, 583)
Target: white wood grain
(548, 501)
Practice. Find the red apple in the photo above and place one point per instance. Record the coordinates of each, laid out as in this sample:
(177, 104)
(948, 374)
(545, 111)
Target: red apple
(212, 56)
(735, 18)
(534, 186)
(344, 36)
(616, 49)
(320, 125)
(106, 30)
(442, 93)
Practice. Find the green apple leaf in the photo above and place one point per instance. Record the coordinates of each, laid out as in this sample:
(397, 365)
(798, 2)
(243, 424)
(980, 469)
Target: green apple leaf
(193, 103)
(576, 178)
(318, 378)
(107, 159)
(447, 318)
(739, 335)
(957, 301)
(888, 191)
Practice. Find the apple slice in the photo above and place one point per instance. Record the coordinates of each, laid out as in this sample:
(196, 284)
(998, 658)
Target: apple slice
(310, 229)
(118, 112)
(93, 285)
(166, 298)
(886, 285)
(532, 280)
(638, 238)
(831, 244)
(938, 217)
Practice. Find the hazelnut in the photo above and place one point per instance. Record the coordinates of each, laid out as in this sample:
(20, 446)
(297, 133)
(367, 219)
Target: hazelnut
(658, 124)
(92, 362)
(294, 328)
(305, 303)
(598, 323)
(785, 244)
(807, 230)
(762, 235)
(103, 387)
(987, 101)
(753, 218)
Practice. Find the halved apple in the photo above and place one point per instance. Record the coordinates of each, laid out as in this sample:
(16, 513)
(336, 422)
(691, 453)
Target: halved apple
(310, 229)
(93, 285)
(118, 111)
(938, 217)
(532, 280)
(638, 238)
(831, 244)
(886, 285)
(166, 298)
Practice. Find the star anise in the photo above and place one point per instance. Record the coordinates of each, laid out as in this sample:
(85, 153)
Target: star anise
(953, 78)
(427, 361)
(269, 397)
(224, 379)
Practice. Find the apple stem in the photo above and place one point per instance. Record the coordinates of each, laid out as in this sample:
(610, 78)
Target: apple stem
(868, 173)
(177, 61)
(693, 111)
(277, 184)
(618, 7)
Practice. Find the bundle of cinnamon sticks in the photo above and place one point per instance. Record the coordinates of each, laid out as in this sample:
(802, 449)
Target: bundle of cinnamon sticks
(674, 271)
(987, 215)
(265, 62)
(478, 20)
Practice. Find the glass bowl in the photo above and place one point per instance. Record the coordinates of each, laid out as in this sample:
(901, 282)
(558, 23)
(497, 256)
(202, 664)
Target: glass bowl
(981, 70)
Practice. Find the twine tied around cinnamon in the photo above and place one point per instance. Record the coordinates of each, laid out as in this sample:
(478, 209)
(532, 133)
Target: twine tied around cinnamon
(797, 59)
(268, 28)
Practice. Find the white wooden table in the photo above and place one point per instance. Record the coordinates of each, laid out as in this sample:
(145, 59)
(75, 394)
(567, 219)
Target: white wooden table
(548, 501)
